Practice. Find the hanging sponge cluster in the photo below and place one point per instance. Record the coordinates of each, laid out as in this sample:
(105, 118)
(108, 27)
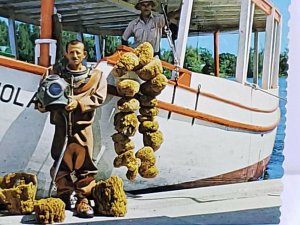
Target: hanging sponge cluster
(140, 79)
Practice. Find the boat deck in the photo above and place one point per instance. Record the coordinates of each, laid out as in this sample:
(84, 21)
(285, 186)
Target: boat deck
(243, 203)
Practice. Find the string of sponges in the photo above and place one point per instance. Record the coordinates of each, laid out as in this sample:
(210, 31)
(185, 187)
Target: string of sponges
(139, 79)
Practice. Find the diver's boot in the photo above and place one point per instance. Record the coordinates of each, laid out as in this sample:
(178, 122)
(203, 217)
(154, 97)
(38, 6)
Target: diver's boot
(83, 208)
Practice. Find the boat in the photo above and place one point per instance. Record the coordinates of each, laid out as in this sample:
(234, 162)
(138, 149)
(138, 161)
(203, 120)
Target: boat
(216, 130)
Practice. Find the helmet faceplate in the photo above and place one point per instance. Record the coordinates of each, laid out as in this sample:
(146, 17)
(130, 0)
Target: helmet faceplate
(53, 92)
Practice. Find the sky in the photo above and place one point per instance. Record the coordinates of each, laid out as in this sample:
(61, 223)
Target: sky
(228, 43)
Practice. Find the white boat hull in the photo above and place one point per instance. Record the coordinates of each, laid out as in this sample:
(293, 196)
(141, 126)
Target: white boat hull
(225, 143)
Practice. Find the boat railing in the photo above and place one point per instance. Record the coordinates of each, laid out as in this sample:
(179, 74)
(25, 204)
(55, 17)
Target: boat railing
(23, 66)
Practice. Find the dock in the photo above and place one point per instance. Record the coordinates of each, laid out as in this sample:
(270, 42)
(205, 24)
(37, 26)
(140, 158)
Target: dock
(255, 202)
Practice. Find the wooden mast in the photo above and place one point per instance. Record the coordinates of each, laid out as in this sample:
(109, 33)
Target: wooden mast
(216, 53)
(184, 25)
(47, 7)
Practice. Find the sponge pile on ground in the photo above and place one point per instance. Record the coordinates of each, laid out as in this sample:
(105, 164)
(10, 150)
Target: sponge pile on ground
(110, 198)
(18, 191)
(49, 210)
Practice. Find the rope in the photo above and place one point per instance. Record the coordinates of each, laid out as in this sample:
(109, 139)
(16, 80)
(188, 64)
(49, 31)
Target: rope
(256, 87)
(172, 46)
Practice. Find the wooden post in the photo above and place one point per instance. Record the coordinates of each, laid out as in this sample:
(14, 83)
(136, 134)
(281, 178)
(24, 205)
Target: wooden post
(79, 36)
(97, 46)
(246, 22)
(255, 58)
(47, 7)
(269, 49)
(184, 25)
(103, 45)
(277, 54)
(12, 37)
(216, 53)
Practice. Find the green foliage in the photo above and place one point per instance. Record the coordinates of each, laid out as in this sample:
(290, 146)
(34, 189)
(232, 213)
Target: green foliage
(25, 46)
(111, 43)
(3, 34)
(227, 64)
(68, 36)
(89, 43)
(283, 63)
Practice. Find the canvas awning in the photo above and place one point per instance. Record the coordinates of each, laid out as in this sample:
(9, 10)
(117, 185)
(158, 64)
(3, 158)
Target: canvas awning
(112, 16)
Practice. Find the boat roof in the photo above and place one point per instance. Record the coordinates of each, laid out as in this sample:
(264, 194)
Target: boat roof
(112, 16)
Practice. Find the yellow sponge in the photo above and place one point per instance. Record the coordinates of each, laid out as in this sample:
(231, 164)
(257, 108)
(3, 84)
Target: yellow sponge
(145, 53)
(50, 210)
(18, 192)
(153, 139)
(151, 70)
(149, 111)
(128, 104)
(148, 126)
(110, 198)
(127, 62)
(126, 123)
(128, 88)
(147, 157)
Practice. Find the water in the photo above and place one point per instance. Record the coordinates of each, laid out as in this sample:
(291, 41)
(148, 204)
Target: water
(274, 168)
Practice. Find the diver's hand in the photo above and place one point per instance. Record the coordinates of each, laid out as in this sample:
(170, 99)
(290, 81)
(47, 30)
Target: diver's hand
(72, 105)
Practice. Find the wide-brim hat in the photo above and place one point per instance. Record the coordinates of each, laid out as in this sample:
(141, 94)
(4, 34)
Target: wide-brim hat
(137, 5)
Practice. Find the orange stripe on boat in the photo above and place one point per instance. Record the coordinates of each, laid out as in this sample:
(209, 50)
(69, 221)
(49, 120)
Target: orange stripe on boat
(202, 116)
(23, 66)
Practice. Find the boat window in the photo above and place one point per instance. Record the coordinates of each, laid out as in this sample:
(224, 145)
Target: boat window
(259, 46)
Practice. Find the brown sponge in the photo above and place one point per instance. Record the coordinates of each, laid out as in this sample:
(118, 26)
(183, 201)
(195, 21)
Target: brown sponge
(127, 62)
(128, 88)
(148, 126)
(151, 70)
(149, 111)
(119, 137)
(155, 86)
(110, 198)
(126, 159)
(128, 104)
(159, 82)
(145, 53)
(123, 147)
(18, 192)
(50, 210)
(147, 101)
(147, 157)
(153, 139)
(146, 88)
(126, 123)
(142, 118)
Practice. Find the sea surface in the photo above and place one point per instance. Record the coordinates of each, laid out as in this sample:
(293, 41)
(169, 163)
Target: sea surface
(274, 168)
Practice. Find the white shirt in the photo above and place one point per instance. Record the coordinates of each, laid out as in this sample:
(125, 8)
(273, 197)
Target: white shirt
(142, 31)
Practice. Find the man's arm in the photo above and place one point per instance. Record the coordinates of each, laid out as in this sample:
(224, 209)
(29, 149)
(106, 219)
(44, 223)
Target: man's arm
(127, 34)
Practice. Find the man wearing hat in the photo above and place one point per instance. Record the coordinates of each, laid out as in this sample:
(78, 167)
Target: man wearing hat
(147, 27)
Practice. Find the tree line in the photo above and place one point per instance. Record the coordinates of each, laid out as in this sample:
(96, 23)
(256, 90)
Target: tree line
(196, 59)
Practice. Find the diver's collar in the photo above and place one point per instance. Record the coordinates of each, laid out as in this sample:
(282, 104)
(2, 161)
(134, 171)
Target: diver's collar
(77, 75)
